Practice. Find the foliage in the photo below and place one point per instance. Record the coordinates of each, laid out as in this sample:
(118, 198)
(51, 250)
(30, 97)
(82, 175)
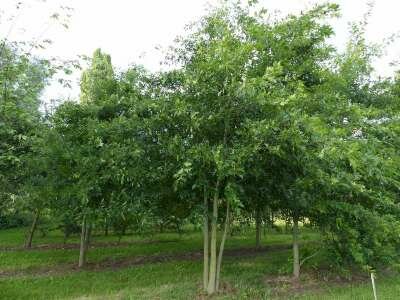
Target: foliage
(257, 116)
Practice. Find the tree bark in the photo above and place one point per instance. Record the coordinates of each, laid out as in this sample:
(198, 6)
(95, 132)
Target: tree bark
(106, 226)
(211, 289)
(287, 227)
(83, 246)
(221, 248)
(28, 242)
(124, 230)
(213, 249)
(65, 238)
(270, 223)
(258, 228)
(296, 258)
(205, 242)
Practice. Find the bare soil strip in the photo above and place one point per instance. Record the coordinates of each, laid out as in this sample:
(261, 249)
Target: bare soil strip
(68, 246)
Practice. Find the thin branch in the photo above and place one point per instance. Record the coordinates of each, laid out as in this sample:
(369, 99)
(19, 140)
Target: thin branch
(308, 257)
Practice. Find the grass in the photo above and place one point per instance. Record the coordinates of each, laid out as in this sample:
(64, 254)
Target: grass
(167, 243)
(242, 277)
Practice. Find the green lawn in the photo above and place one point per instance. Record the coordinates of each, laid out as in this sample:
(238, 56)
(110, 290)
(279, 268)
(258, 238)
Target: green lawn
(243, 277)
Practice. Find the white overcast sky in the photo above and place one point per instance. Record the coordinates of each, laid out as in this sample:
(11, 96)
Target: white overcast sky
(130, 30)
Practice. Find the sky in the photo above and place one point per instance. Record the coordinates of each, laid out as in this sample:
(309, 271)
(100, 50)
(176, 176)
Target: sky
(133, 31)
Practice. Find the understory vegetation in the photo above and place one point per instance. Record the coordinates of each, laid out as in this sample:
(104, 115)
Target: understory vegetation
(168, 266)
(262, 163)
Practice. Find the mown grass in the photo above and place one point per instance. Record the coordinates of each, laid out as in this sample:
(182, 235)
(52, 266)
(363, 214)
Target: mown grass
(166, 243)
(242, 277)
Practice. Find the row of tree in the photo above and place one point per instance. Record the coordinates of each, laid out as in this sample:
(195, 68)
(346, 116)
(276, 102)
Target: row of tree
(256, 116)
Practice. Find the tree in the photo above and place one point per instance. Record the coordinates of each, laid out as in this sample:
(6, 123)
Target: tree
(213, 113)
(37, 183)
(24, 73)
(21, 81)
(98, 81)
(358, 162)
(97, 149)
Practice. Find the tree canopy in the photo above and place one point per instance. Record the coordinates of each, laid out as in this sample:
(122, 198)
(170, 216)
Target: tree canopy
(256, 114)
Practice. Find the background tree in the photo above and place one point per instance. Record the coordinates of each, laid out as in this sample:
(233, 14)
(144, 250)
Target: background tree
(98, 81)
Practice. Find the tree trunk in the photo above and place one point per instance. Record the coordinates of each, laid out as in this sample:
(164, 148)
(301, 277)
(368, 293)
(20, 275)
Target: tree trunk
(270, 222)
(106, 226)
(65, 238)
(213, 249)
(212, 278)
(296, 258)
(221, 248)
(265, 228)
(28, 242)
(178, 228)
(88, 236)
(124, 230)
(83, 246)
(287, 227)
(205, 242)
(258, 229)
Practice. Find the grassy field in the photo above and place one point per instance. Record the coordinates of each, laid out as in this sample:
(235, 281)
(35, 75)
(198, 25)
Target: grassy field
(169, 266)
